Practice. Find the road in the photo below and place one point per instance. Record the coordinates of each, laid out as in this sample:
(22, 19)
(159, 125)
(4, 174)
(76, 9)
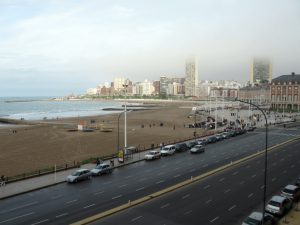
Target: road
(225, 198)
(63, 204)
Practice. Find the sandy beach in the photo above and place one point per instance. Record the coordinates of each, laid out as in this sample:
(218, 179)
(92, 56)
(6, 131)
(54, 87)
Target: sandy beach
(33, 147)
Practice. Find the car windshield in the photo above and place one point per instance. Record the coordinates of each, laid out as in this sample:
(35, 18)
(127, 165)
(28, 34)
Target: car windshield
(288, 191)
(251, 221)
(99, 167)
(76, 173)
(273, 203)
(151, 153)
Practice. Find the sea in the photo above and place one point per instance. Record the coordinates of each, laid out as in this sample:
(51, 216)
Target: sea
(41, 108)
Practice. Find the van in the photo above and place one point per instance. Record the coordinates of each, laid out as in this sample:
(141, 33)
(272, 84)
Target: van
(168, 150)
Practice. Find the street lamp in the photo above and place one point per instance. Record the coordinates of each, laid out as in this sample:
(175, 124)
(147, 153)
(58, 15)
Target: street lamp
(118, 141)
(125, 116)
(266, 154)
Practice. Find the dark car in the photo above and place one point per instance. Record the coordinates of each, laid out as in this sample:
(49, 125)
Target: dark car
(191, 144)
(251, 128)
(181, 147)
(219, 137)
(256, 218)
(212, 139)
(297, 182)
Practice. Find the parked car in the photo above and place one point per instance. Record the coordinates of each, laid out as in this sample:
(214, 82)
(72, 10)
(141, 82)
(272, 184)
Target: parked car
(292, 192)
(279, 205)
(202, 141)
(197, 149)
(219, 137)
(225, 135)
(100, 169)
(168, 150)
(212, 139)
(79, 175)
(181, 147)
(154, 154)
(256, 218)
(192, 144)
(251, 128)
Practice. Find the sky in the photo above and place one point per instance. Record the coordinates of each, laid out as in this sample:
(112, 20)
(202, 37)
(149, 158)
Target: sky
(58, 47)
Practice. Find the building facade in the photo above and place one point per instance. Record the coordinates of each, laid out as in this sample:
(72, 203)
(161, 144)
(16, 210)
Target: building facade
(191, 79)
(261, 71)
(285, 93)
(258, 94)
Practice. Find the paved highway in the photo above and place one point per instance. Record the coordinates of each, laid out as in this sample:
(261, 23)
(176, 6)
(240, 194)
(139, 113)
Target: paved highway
(65, 203)
(225, 198)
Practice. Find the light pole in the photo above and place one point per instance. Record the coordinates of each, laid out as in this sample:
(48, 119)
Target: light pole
(266, 154)
(125, 117)
(118, 141)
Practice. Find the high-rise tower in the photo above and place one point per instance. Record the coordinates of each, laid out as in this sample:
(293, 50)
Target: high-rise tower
(191, 80)
(261, 71)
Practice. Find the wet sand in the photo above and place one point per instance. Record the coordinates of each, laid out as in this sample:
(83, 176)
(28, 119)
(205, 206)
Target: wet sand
(34, 147)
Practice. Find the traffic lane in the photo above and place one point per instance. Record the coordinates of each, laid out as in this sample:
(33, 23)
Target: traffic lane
(83, 201)
(225, 198)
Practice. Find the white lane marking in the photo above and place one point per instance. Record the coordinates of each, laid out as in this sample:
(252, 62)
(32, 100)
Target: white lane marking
(247, 167)
(177, 168)
(177, 175)
(273, 179)
(250, 195)
(192, 170)
(284, 171)
(232, 207)
(161, 173)
(99, 193)
(217, 161)
(261, 187)
(82, 189)
(222, 179)
(159, 182)
(227, 157)
(228, 190)
(164, 206)
(207, 186)
(213, 220)
(188, 212)
(89, 206)
(118, 196)
(69, 202)
(282, 159)
(143, 179)
(292, 166)
(274, 164)
(242, 182)
(254, 175)
(186, 196)
(19, 207)
(235, 173)
(124, 185)
(56, 197)
(17, 217)
(139, 189)
(148, 171)
(39, 222)
(206, 165)
(128, 177)
(61, 215)
(208, 201)
(136, 218)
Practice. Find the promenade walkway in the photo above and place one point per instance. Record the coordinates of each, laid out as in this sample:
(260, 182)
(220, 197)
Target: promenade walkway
(35, 183)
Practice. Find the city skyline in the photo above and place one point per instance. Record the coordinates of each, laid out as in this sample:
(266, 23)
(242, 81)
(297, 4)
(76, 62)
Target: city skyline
(60, 47)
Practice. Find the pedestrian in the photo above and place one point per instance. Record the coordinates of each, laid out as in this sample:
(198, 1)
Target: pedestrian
(2, 180)
(97, 161)
(112, 163)
(160, 145)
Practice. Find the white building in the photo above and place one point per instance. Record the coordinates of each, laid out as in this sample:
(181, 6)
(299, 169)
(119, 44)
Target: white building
(118, 83)
(91, 91)
(143, 88)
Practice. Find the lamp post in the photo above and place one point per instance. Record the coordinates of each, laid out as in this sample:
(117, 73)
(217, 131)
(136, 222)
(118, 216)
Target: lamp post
(266, 154)
(118, 141)
(125, 116)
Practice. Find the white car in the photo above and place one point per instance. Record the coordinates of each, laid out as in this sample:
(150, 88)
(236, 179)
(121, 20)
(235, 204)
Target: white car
(168, 150)
(100, 169)
(256, 218)
(79, 175)
(152, 155)
(197, 149)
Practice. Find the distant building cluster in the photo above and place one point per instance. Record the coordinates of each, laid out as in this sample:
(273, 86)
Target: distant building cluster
(281, 93)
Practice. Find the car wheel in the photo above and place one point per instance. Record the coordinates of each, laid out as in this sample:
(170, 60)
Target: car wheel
(75, 181)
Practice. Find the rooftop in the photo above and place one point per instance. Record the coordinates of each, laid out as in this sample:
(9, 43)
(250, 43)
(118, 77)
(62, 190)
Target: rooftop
(294, 78)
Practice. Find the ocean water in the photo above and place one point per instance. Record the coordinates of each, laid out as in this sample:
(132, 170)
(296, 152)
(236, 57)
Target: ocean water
(38, 108)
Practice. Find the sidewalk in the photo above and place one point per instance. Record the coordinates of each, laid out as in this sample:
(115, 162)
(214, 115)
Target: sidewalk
(293, 217)
(31, 184)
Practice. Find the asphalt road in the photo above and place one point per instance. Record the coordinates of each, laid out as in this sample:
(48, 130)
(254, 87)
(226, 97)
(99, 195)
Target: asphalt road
(63, 204)
(225, 198)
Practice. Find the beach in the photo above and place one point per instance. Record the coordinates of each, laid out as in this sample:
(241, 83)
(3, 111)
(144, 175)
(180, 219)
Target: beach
(46, 143)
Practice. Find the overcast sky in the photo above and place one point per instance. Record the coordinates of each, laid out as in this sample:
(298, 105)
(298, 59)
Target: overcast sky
(56, 47)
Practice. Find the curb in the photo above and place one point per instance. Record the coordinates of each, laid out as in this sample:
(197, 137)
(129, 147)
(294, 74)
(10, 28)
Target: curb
(176, 186)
